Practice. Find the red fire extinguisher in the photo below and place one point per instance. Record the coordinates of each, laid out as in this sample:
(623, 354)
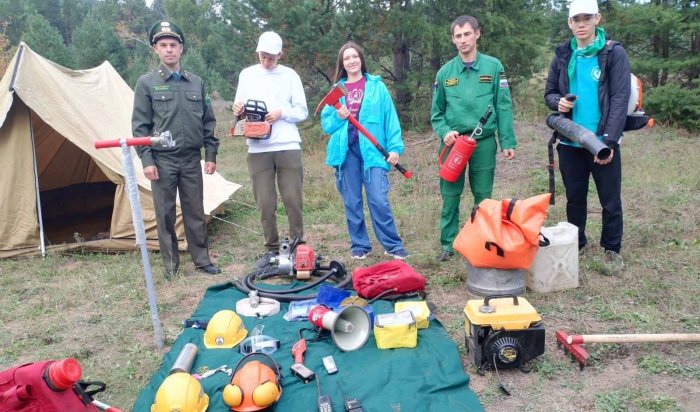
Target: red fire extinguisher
(461, 152)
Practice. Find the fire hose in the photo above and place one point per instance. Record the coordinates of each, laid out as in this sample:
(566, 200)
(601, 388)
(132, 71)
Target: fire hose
(247, 283)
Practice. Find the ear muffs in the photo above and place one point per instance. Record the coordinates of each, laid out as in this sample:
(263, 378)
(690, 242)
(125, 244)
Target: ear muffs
(255, 385)
(266, 394)
(233, 395)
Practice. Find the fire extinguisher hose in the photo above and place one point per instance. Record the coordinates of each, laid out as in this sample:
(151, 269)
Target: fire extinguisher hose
(335, 269)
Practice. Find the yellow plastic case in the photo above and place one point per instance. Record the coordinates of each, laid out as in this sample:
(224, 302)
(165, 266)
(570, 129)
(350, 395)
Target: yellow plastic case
(419, 309)
(507, 313)
(396, 330)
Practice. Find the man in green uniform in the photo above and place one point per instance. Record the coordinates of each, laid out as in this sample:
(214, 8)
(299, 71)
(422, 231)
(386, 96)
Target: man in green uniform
(173, 99)
(463, 90)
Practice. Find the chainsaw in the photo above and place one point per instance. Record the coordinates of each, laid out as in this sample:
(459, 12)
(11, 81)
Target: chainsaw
(251, 123)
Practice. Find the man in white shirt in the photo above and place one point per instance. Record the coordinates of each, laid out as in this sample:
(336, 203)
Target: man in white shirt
(277, 158)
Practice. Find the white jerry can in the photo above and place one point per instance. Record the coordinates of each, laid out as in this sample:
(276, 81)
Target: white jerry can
(555, 267)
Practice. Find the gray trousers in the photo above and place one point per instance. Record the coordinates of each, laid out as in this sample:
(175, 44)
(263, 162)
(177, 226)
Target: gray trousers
(185, 176)
(286, 168)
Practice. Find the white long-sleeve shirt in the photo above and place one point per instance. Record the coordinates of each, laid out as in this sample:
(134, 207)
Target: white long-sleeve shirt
(280, 88)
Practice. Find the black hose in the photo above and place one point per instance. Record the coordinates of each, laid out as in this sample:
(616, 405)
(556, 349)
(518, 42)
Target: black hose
(247, 284)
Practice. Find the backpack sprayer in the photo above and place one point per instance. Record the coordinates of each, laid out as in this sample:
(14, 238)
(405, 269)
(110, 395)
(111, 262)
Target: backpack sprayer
(461, 151)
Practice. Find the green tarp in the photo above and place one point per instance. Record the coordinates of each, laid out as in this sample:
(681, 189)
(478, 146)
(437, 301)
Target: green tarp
(429, 377)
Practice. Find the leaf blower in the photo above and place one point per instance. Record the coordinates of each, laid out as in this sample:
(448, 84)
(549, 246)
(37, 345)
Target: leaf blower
(577, 133)
(461, 152)
(49, 386)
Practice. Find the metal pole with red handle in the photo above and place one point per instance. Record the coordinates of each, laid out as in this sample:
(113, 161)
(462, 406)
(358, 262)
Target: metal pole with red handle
(165, 140)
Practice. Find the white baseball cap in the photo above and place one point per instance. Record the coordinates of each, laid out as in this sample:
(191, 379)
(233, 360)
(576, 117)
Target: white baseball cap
(269, 42)
(583, 7)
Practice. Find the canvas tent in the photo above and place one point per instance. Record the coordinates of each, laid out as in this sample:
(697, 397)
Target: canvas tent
(54, 184)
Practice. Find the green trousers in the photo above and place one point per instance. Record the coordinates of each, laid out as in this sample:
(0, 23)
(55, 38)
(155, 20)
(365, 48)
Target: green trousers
(481, 168)
(284, 168)
(183, 175)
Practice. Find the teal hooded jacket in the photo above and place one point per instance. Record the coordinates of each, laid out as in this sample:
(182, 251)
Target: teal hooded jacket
(377, 115)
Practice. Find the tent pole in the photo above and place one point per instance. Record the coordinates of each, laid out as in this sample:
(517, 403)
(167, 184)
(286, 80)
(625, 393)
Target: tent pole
(36, 187)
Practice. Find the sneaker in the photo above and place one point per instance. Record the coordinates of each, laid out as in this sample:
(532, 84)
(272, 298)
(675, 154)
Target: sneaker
(209, 269)
(359, 255)
(401, 254)
(445, 255)
(613, 262)
(264, 260)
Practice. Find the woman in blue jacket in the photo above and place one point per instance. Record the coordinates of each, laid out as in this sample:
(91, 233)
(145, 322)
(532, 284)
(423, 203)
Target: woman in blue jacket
(356, 161)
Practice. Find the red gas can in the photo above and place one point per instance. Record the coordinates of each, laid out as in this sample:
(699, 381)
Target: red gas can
(42, 386)
(458, 158)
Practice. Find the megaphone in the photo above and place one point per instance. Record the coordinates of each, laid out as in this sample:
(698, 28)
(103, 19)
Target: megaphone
(349, 327)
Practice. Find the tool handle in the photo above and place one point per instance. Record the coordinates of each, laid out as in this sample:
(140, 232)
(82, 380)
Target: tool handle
(635, 338)
(104, 407)
(406, 173)
(485, 117)
(298, 351)
(136, 141)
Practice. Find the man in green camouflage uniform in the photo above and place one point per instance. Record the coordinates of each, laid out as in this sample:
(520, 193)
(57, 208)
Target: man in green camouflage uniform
(463, 90)
(175, 100)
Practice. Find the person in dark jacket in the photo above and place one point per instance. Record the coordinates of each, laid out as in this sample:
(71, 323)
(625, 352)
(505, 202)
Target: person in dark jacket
(597, 71)
(173, 99)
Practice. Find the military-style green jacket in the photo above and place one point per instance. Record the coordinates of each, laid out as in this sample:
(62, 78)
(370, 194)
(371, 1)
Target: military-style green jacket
(182, 107)
(461, 96)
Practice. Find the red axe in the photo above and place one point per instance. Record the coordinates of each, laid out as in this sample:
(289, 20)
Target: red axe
(333, 99)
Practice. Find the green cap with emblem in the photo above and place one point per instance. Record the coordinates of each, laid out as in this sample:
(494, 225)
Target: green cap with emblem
(165, 29)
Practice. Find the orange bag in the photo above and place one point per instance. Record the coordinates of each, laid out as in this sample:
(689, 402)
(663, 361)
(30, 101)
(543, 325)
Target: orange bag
(504, 234)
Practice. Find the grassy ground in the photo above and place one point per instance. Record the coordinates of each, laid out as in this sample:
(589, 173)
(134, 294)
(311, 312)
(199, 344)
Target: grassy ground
(94, 306)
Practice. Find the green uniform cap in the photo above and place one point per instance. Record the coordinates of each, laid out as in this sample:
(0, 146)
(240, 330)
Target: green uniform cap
(165, 29)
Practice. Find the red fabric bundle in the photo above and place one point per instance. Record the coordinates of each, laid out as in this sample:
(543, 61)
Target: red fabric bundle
(395, 276)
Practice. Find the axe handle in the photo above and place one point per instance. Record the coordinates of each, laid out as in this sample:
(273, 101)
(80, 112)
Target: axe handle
(635, 338)
(407, 173)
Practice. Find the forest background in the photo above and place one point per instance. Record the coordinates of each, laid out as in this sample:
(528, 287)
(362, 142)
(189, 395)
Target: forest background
(405, 41)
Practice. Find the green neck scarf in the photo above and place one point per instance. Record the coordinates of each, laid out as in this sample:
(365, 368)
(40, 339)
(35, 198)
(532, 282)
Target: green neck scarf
(588, 51)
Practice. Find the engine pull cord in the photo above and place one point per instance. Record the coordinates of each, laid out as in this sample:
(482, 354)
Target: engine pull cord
(501, 385)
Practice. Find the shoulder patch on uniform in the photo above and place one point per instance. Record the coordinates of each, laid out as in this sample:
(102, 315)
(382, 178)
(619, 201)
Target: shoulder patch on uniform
(486, 78)
(451, 82)
(503, 81)
(161, 88)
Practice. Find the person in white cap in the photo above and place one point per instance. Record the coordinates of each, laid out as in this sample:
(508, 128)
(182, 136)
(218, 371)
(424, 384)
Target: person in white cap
(597, 71)
(279, 157)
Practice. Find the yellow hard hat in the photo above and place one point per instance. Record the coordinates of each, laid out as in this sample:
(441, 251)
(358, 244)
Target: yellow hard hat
(180, 392)
(225, 330)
